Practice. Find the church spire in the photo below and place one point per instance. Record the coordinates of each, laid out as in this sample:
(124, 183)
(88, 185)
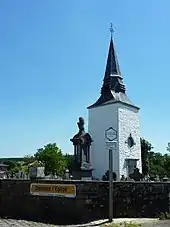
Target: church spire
(112, 79)
(112, 66)
(113, 89)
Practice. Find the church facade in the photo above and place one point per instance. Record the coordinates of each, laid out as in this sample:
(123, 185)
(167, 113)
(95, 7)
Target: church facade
(114, 109)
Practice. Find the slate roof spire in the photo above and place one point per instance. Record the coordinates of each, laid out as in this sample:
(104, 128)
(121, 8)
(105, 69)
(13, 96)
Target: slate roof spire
(113, 89)
(112, 79)
(112, 66)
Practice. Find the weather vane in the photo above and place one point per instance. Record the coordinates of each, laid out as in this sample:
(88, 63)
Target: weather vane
(111, 29)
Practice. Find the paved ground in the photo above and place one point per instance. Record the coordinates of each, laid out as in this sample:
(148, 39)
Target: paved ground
(145, 222)
(22, 223)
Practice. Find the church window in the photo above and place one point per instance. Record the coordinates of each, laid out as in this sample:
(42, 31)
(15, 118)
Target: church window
(130, 141)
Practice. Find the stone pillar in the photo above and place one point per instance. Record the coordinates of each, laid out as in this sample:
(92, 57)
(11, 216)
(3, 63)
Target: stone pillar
(79, 153)
(88, 154)
(75, 152)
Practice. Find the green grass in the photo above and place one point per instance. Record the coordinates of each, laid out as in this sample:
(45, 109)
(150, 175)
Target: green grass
(123, 224)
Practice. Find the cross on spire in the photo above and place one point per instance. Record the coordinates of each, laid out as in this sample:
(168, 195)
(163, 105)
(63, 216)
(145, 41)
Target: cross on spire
(111, 29)
(113, 88)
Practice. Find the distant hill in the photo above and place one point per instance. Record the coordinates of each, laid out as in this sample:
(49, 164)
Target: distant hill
(16, 159)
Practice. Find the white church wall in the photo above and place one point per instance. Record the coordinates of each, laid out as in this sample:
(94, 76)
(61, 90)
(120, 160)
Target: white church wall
(128, 119)
(100, 119)
(125, 120)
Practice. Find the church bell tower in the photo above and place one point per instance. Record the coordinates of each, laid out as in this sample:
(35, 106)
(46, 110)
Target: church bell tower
(114, 109)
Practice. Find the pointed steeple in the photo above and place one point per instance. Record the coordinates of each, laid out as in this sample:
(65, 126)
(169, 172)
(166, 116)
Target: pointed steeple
(112, 79)
(113, 89)
(112, 67)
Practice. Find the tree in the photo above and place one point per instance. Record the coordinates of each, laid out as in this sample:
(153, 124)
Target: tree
(157, 165)
(52, 158)
(28, 159)
(167, 164)
(146, 147)
(69, 162)
(13, 166)
(168, 147)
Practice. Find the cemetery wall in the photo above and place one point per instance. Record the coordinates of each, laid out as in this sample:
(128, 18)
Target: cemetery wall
(131, 199)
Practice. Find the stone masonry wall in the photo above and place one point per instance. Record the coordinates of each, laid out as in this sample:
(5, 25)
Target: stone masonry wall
(131, 199)
(128, 124)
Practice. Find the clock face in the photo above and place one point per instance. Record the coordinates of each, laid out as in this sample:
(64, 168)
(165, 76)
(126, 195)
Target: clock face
(130, 141)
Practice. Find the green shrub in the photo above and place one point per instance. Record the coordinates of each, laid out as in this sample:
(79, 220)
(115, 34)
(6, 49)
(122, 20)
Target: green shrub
(164, 216)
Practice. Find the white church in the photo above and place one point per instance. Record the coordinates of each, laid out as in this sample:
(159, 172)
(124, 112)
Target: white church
(114, 109)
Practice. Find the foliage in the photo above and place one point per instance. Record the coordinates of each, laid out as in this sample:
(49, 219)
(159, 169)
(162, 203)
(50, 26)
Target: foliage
(69, 162)
(52, 158)
(25, 168)
(164, 216)
(13, 166)
(36, 163)
(157, 164)
(154, 163)
(146, 147)
(28, 159)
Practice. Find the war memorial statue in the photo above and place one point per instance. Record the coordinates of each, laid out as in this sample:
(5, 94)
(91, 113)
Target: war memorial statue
(82, 142)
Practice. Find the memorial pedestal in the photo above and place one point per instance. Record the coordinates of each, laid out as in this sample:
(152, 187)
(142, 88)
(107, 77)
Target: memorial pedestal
(82, 175)
(82, 141)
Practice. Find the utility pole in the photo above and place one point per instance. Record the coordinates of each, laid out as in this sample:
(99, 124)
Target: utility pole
(110, 185)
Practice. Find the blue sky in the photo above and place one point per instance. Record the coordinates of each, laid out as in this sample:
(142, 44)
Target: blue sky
(52, 62)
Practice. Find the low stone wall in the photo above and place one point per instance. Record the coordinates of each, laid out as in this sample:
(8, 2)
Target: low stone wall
(131, 199)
